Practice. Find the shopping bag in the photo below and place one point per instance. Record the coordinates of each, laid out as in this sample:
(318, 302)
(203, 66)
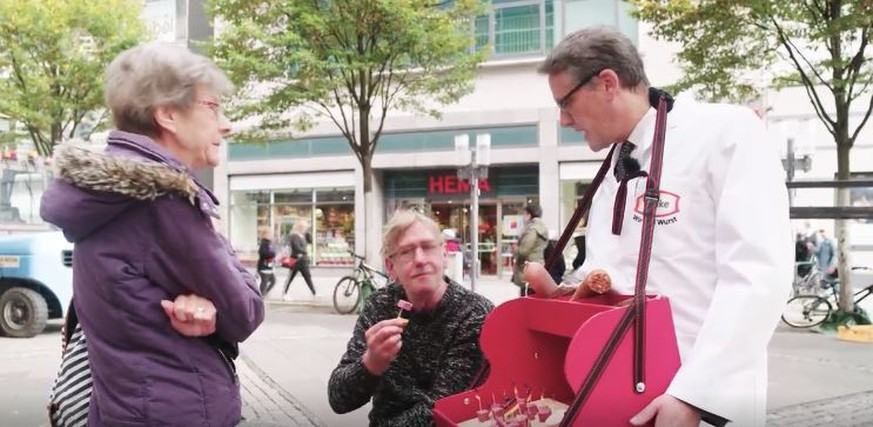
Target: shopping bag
(289, 262)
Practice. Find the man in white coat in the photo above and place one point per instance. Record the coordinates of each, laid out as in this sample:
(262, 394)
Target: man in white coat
(722, 250)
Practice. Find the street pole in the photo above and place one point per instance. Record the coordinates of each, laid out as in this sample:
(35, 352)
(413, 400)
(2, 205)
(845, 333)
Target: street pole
(473, 168)
(474, 218)
(790, 169)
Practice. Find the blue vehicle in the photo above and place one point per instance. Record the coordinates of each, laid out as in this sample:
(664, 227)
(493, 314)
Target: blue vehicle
(36, 281)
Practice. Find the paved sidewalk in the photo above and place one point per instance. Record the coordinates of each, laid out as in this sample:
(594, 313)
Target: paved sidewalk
(815, 379)
(265, 403)
(849, 411)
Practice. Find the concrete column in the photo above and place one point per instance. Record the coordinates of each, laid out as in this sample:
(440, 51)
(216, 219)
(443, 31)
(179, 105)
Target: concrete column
(549, 177)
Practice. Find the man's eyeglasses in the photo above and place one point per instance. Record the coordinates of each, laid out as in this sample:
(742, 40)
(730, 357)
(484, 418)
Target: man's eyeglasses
(564, 101)
(212, 105)
(407, 253)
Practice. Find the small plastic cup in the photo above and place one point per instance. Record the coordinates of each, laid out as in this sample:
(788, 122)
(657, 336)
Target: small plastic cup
(521, 420)
(483, 415)
(497, 411)
(544, 413)
(522, 405)
(532, 411)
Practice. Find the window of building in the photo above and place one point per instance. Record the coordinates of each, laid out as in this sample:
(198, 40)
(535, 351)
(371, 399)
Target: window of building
(328, 214)
(334, 229)
(517, 27)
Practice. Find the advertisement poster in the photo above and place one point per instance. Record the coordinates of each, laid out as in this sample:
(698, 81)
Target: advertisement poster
(512, 225)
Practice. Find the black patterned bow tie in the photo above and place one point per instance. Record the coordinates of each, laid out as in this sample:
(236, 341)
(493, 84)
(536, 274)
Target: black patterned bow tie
(625, 164)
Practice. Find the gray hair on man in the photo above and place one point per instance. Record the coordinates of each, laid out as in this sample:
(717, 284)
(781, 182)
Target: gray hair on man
(586, 52)
(400, 221)
(157, 74)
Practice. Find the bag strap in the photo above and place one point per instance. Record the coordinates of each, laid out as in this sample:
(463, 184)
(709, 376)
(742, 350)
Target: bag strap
(581, 209)
(70, 323)
(635, 314)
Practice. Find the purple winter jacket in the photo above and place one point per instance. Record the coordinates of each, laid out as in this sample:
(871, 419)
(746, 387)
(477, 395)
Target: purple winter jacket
(142, 230)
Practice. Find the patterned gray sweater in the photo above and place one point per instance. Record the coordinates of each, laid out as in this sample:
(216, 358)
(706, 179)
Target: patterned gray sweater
(440, 356)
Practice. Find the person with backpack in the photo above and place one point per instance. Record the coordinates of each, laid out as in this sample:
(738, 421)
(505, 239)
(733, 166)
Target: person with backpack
(266, 256)
(557, 269)
(826, 255)
(531, 245)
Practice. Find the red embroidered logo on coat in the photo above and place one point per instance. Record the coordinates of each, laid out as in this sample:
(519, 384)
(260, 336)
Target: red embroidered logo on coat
(667, 205)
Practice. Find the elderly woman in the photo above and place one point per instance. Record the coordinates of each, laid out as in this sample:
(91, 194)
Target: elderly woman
(150, 271)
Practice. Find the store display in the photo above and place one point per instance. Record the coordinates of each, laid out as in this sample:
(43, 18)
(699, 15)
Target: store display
(334, 235)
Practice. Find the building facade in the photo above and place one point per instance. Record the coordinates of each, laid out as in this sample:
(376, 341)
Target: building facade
(317, 178)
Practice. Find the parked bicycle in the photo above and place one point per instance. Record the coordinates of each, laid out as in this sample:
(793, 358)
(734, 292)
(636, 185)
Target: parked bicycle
(350, 291)
(806, 311)
(807, 278)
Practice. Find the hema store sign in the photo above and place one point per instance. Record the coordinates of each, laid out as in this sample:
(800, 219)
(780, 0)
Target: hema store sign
(449, 184)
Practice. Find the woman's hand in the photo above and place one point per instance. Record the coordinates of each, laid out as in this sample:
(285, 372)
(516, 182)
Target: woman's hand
(191, 315)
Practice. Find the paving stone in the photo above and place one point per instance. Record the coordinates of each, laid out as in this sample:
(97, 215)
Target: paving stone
(265, 404)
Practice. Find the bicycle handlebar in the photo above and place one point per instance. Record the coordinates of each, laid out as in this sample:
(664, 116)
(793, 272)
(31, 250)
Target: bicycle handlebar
(373, 269)
(366, 266)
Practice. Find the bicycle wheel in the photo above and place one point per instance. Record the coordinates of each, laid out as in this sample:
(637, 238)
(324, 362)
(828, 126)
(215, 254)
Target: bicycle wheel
(346, 295)
(806, 311)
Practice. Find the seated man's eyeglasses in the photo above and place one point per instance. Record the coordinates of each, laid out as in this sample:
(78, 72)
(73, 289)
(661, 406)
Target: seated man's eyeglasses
(564, 101)
(407, 253)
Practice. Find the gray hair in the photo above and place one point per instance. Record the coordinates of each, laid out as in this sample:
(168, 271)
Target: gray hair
(153, 75)
(400, 221)
(590, 50)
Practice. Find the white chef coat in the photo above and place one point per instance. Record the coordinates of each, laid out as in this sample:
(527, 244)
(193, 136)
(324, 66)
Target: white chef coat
(722, 250)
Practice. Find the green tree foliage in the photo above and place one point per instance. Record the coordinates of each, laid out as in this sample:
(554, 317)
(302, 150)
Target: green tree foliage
(352, 61)
(52, 55)
(820, 45)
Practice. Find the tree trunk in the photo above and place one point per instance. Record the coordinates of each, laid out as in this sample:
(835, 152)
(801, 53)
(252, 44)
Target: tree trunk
(366, 151)
(841, 230)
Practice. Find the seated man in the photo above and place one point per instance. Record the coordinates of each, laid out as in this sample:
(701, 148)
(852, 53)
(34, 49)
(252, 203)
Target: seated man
(405, 363)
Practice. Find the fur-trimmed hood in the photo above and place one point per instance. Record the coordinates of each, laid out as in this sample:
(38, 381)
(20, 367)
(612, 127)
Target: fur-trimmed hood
(135, 178)
(92, 188)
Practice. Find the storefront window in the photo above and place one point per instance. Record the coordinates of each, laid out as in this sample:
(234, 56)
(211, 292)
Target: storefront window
(249, 210)
(511, 225)
(440, 194)
(290, 207)
(572, 191)
(328, 213)
(334, 227)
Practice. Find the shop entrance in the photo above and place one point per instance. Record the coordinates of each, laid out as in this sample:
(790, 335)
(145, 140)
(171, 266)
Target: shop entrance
(498, 227)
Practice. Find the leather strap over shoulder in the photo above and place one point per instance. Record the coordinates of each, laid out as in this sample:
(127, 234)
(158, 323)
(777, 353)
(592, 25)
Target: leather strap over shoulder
(635, 314)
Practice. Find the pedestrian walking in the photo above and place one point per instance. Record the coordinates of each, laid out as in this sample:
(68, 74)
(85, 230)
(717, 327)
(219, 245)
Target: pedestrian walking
(266, 258)
(531, 245)
(298, 243)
